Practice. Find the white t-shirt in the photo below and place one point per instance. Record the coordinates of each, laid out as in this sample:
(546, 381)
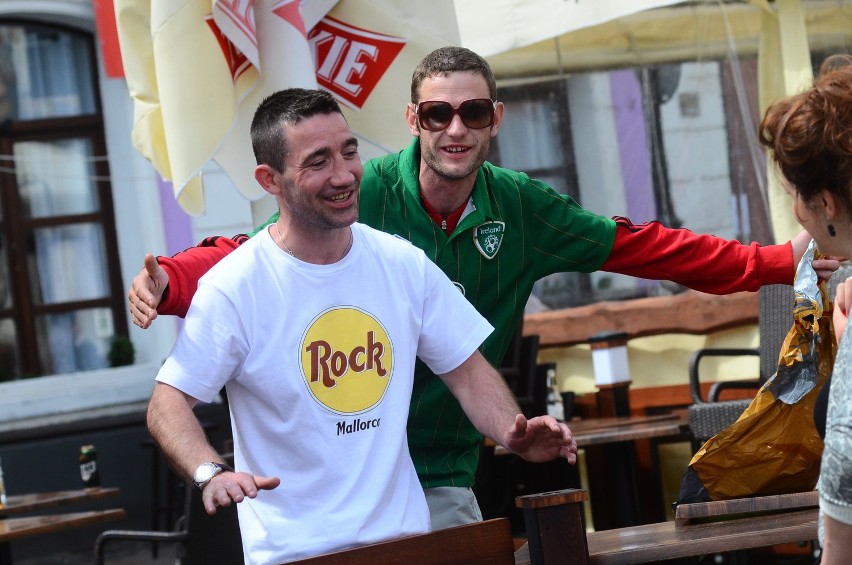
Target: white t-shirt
(318, 361)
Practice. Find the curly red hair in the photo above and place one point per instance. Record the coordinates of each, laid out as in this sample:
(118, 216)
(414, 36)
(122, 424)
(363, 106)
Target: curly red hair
(809, 134)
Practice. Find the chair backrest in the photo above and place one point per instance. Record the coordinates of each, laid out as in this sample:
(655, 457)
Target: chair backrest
(521, 371)
(481, 543)
(775, 318)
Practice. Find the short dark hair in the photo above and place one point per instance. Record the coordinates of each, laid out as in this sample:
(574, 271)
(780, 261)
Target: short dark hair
(446, 60)
(285, 107)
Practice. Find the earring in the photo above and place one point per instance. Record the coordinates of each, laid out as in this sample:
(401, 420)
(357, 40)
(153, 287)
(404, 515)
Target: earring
(831, 231)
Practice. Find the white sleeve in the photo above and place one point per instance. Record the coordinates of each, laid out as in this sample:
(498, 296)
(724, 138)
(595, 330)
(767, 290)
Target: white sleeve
(452, 328)
(210, 349)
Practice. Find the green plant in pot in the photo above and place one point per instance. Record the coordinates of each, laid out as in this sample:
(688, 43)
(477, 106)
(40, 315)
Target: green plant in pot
(121, 351)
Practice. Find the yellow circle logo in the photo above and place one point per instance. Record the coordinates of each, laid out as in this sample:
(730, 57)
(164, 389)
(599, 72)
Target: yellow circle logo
(347, 360)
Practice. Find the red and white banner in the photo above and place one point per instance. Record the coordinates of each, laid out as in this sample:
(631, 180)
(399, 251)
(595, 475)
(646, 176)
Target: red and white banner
(197, 69)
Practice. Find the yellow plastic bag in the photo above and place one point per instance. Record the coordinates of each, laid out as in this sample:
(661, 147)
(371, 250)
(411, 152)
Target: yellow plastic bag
(774, 447)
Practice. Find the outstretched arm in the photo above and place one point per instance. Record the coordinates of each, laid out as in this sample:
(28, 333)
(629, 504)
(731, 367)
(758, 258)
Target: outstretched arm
(166, 285)
(704, 262)
(179, 435)
(490, 405)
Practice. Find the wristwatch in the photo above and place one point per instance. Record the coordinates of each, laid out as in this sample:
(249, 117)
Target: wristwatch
(206, 471)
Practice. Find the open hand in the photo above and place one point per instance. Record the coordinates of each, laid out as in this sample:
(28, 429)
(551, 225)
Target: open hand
(541, 439)
(228, 487)
(146, 292)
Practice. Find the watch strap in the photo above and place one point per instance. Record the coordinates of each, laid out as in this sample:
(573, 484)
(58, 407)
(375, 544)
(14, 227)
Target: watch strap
(220, 467)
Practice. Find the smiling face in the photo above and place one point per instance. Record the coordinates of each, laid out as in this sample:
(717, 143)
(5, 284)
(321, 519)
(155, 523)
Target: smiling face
(318, 187)
(455, 153)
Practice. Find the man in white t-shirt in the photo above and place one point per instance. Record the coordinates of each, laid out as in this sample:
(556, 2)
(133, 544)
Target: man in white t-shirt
(313, 327)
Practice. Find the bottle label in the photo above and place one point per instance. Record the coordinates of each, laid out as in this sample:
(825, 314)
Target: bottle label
(87, 470)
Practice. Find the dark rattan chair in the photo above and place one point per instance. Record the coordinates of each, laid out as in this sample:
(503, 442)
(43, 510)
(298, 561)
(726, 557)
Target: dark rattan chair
(775, 318)
(709, 416)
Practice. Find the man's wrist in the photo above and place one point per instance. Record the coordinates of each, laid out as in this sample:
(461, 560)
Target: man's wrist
(205, 473)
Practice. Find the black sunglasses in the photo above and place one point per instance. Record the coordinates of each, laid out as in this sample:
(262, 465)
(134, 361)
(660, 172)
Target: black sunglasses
(476, 113)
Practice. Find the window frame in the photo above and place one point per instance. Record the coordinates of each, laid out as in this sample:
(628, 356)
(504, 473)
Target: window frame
(17, 230)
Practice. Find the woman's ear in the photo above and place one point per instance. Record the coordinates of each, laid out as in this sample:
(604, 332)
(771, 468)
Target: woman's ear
(829, 204)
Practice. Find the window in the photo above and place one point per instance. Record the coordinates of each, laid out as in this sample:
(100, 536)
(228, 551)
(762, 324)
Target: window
(61, 297)
(670, 142)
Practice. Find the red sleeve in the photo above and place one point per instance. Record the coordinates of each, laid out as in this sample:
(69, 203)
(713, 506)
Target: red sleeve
(185, 268)
(701, 262)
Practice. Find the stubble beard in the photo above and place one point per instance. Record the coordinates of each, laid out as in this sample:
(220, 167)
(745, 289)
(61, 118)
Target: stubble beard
(314, 219)
(430, 157)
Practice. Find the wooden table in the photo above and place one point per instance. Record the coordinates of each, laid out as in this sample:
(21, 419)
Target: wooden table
(699, 529)
(27, 526)
(14, 526)
(601, 431)
(20, 503)
(604, 440)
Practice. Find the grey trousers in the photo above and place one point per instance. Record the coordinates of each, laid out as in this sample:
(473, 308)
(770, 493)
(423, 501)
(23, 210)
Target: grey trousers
(452, 506)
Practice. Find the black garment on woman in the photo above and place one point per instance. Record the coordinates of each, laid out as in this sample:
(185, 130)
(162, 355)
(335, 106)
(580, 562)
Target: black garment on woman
(821, 408)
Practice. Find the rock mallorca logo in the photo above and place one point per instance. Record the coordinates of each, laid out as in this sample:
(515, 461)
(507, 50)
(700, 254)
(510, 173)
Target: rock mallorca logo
(347, 360)
(488, 237)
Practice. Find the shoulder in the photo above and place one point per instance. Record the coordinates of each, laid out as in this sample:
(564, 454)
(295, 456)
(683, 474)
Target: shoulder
(389, 243)
(242, 260)
(381, 166)
(502, 182)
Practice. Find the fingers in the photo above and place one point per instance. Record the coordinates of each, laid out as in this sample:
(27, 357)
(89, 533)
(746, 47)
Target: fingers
(146, 290)
(826, 267)
(543, 439)
(227, 488)
(141, 313)
(840, 316)
(267, 483)
(520, 425)
(569, 454)
(842, 296)
(800, 244)
(151, 265)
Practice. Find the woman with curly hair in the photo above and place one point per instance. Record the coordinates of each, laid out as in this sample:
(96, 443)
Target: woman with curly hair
(809, 137)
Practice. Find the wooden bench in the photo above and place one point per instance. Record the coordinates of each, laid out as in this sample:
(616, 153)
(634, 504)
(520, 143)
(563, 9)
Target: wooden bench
(555, 529)
(28, 526)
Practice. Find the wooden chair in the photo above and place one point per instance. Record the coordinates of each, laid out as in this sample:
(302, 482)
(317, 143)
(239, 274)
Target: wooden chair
(482, 543)
(525, 377)
(198, 538)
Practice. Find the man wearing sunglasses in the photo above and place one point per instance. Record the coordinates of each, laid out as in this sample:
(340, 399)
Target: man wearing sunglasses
(494, 232)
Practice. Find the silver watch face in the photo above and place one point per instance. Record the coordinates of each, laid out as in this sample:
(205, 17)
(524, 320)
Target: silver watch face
(205, 472)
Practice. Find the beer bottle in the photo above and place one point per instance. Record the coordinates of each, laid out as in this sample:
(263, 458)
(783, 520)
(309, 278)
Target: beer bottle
(89, 466)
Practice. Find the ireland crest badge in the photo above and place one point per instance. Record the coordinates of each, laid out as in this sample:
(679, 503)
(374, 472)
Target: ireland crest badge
(488, 237)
